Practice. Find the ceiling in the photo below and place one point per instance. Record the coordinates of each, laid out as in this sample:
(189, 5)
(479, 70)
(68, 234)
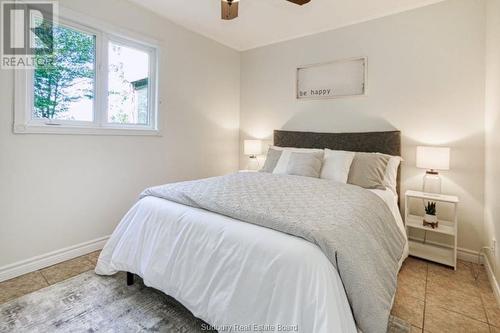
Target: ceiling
(263, 22)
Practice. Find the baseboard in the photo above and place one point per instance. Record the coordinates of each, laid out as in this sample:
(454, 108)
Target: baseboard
(51, 258)
(493, 280)
(469, 255)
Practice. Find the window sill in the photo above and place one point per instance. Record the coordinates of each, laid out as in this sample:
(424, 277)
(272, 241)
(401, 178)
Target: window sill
(83, 130)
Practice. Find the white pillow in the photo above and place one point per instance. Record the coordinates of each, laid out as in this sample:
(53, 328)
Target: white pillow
(282, 165)
(391, 174)
(336, 165)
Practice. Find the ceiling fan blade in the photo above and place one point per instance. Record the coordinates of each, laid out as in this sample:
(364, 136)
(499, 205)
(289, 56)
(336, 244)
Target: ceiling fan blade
(229, 9)
(299, 2)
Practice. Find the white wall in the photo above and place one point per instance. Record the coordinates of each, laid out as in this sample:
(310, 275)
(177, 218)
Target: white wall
(492, 179)
(61, 190)
(425, 78)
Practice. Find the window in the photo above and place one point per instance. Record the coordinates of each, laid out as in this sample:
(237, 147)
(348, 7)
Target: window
(97, 83)
(65, 90)
(128, 88)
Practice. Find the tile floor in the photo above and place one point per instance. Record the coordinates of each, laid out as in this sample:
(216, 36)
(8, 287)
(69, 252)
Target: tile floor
(30, 282)
(431, 297)
(434, 298)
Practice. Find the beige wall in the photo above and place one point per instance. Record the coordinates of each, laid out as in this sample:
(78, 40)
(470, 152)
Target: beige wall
(61, 190)
(492, 179)
(425, 78)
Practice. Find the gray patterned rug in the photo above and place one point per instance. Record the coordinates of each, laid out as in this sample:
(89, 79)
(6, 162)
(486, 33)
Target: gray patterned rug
(92, 303)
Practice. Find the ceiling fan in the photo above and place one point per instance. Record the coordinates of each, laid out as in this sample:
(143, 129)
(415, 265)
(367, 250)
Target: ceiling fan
(229, 8)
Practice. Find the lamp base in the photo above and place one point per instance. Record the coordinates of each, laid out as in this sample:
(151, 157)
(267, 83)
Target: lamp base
(431, 182)
(253, 163)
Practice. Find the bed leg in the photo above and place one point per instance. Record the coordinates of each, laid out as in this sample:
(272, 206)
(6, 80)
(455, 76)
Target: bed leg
(130, 279)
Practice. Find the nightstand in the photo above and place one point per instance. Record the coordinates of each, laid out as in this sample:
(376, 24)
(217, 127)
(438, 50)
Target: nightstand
(442, 254)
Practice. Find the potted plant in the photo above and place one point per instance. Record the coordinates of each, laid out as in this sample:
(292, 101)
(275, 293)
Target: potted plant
(430, 218)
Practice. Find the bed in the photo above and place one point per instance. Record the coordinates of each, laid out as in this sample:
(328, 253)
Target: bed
(240, 275)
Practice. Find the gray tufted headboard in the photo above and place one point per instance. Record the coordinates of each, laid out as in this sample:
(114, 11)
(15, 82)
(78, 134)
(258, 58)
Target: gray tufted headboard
(370, 142)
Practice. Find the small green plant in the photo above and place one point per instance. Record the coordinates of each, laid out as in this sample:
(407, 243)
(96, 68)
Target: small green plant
(430, 209)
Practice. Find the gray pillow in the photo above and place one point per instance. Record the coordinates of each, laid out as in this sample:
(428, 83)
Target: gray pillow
(368, 170)
(272, 158)
(305, 164)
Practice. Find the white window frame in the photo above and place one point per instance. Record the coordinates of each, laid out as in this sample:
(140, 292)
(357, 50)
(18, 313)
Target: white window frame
(24, 95)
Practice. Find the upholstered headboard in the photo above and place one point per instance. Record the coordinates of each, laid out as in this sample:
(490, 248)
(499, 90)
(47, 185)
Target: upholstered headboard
(370, 142)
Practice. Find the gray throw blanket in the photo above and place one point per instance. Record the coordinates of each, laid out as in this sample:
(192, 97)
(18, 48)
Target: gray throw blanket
(353, 227)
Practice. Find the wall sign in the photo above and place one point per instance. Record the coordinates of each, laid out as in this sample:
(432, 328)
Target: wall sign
(340, 78)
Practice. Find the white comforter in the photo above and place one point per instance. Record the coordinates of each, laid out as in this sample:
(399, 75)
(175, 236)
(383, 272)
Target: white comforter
(234, 275)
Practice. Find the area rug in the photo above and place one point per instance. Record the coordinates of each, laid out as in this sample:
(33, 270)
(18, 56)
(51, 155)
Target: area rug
(92, 303)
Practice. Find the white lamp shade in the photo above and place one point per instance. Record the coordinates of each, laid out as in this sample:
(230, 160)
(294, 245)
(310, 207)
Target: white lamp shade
(252, 147)
(433, 158)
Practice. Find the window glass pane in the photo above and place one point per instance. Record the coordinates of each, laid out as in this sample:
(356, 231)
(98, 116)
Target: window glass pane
(65, 89)
(128, 85)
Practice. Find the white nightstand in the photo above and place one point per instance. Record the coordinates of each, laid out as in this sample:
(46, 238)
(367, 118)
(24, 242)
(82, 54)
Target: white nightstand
(438, 253)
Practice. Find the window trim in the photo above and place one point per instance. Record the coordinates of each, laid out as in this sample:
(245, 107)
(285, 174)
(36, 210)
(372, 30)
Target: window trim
(104, 33)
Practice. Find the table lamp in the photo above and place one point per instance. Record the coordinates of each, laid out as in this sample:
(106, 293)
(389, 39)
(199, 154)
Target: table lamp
(252, 148)
(432, 159)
